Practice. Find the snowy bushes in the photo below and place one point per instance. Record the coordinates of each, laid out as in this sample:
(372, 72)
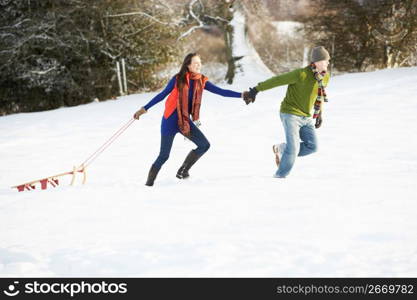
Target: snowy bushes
(63, 52)
(56, 53)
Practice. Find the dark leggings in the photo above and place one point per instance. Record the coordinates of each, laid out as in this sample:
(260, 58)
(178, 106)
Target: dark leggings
(197, 137)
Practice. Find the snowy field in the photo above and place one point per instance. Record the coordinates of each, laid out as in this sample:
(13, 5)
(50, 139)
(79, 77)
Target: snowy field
(347, 210)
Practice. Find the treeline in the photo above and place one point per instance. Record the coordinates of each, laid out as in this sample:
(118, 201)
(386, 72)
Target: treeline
(361, 35)
(62, 52)
(57, 53)
(367, 34)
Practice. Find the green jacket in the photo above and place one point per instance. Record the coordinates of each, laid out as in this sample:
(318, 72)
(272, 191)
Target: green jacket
(301, 92)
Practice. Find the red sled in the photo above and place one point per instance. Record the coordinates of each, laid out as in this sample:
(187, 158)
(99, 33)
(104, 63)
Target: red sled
(51, 180)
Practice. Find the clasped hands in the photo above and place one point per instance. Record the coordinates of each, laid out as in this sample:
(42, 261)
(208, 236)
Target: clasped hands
(249, 96)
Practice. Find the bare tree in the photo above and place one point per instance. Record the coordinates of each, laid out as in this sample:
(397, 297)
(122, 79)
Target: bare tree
(203, 14)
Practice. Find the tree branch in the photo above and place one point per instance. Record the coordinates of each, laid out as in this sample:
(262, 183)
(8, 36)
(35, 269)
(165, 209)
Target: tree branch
(142, 14)
(217, 18)
(192, 14)
(44, 72)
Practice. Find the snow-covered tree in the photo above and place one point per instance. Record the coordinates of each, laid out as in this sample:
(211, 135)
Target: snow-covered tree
(63, 52)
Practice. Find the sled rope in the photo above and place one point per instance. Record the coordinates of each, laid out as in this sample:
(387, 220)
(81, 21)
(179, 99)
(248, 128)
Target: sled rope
(100, 150)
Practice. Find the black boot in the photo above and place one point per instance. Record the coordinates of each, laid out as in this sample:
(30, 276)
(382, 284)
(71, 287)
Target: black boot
(189, 161)
(152, 175)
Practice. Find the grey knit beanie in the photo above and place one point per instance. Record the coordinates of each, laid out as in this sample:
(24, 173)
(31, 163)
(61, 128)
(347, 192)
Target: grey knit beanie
(319, 53)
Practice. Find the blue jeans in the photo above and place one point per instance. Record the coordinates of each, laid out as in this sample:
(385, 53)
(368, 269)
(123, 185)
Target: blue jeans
(296, 128)
(196, 136)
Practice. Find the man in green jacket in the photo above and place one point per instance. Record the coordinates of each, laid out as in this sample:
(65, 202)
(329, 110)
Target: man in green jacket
(305, 93)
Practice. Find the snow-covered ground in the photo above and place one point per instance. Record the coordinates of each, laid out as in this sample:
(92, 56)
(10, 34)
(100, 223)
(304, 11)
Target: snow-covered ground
(348, 210)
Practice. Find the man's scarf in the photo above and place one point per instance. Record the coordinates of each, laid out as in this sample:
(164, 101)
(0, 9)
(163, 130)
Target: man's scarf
(182, 103)
(321, 95)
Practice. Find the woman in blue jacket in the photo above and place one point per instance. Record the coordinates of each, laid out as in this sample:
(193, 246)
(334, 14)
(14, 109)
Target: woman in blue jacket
(184, 93)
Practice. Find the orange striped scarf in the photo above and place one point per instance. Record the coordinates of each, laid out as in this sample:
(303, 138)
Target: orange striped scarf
(178, 99)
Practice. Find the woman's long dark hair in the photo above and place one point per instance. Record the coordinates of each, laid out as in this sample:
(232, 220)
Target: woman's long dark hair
(181, 80)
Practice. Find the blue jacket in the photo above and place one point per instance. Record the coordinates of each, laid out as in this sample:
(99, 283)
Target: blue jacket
(170, 126)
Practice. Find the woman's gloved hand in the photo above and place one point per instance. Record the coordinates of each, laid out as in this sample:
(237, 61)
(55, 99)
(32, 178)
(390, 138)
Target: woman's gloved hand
(140, 112)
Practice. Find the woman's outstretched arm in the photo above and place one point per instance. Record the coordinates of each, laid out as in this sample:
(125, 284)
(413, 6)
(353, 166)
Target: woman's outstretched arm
(222, 92)
(161, 96)
(158, 98)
